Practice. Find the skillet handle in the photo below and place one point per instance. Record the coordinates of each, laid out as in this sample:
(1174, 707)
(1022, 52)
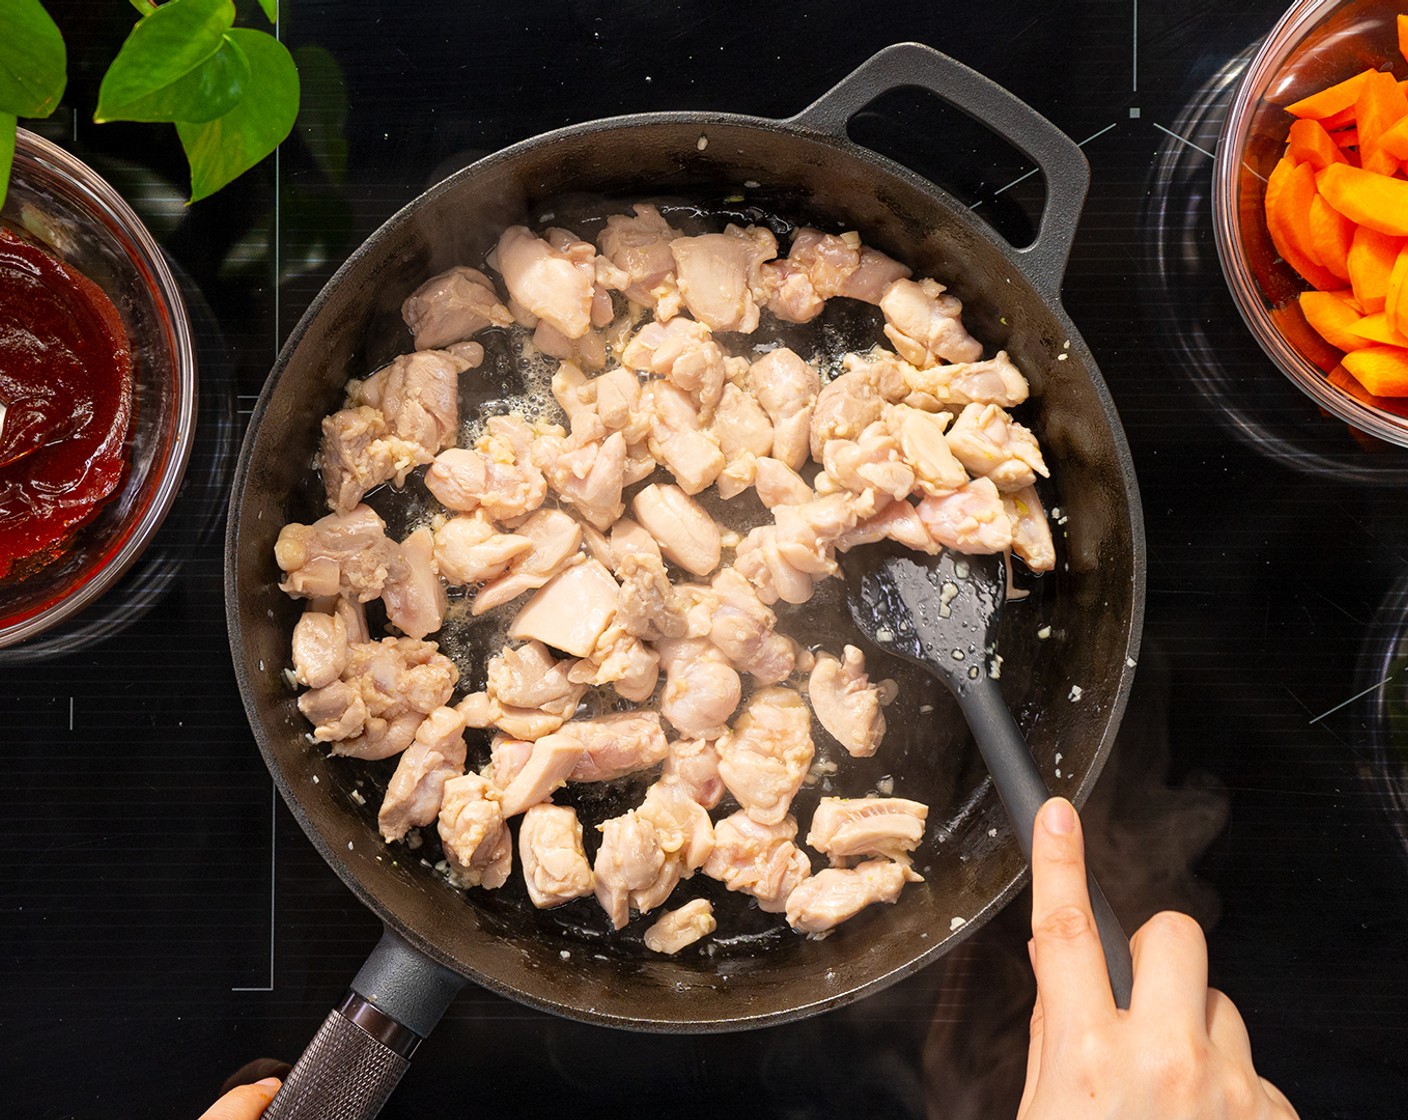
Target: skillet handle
(1023, 791)
(1063, 165)
(364, 1046)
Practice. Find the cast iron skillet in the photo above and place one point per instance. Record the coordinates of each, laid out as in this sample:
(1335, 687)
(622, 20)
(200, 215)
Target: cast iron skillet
(436, 939)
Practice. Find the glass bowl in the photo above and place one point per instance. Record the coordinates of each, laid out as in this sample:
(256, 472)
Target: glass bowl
(63, 206)
(1316, 44)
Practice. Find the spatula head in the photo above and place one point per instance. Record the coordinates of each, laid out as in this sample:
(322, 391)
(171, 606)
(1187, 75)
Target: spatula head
(940, 611)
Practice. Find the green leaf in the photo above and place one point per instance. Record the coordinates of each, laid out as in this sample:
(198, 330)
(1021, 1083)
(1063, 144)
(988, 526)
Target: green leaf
(163, 49)
(33, 61)
(322, 118)
(7, 151)
(211, 90)
(271, 9)
(223, 149)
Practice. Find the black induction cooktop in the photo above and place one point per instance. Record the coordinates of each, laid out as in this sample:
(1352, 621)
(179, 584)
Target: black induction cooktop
(165, 921)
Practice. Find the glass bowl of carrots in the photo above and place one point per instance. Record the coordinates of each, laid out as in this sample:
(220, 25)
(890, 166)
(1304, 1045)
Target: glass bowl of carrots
(1311, 206)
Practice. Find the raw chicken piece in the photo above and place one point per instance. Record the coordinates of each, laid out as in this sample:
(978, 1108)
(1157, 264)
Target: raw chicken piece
(701, 688)
(415, 596)
(630, 538)
(758, 859)
(471, 353)
(767, 754)
(418, 394)
(926, 325)
(852, 402)
(554, 538)
(741, 425)
(507, 756)
(587, 473)
(466, 480)
(534, 694)
(743, 630)
(319, 649)
(898, 521)
(545, 282)
(682, 826)
(640, 247)
(970, 519)
(871, 464)
(470, 549)
(616, 745)
(354, 617)
(571, 610)
(990, 443)
(345, 554)
(647, 605)
(839, 265)
(478, 846)
(876, 273)
(847, 704)
(829, 897)
(393, 684)
(589, 351)
(549, 764)
(621, 660)
(679, 929)
(720, 275)
(693, 764)
(677, 437)
(1031, 534)
(555, 867)
(417, 787)
(787, 388)
(807, 534)
(778, 484)
(686, 534)
(995, 381)
(358, 452)
(629, 861)
(453, 306)
(684, 353)
(771, 567)
(844, 828)
(922, 443)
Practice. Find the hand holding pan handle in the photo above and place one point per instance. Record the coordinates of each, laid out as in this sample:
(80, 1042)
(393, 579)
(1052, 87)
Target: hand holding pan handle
(1063, 164)
(365, 1045)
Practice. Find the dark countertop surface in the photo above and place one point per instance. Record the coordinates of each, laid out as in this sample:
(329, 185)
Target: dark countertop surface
(164, 918)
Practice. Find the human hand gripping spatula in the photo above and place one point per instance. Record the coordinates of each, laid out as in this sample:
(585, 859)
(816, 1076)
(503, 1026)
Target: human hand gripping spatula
(941, 612)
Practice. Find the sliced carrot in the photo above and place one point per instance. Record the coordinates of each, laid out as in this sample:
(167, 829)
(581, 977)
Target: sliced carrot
(1289, 191)
(1345, 137)
(1343, 119)
(1328, 102)
(1332, 316)
(1381, 105)
(1383, 370)
(1396, 298)
(1308, 342)
(1366, 197)
(1403, 36)
(1372, 256)
(1310, 143)
(1395, 140)
(1376, 328)
(1331, 235)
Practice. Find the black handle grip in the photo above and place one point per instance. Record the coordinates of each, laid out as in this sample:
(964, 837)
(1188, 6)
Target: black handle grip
(364, 1046)
(1023, 791)
(1063, 164)
(345, 1074)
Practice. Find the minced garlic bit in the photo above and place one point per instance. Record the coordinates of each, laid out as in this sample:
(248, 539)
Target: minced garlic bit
(702, 143)
(992, 832)
(957, 923)
(884, 634)
(1076, 692)
(356, 796)
(1044, 633)
(885, 786)
(1130, 662)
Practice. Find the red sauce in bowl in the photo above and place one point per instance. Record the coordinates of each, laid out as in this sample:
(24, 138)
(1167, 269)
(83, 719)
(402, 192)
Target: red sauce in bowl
(66, 395)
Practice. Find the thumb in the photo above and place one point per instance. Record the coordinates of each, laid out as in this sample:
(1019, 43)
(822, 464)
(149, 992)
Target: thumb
(244, 1102)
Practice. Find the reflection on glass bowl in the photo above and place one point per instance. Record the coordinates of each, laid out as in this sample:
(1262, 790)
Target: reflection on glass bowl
(1383, 668)
(60, 204)
(1316, 44)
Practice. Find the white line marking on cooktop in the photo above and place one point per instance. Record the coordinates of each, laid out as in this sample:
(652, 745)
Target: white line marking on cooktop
(273, 833)
(70, 713)
(1015, 181)
(1353, 698)
(1096, 135)
(1183, 140)
(1134, 48)
(1027, 175)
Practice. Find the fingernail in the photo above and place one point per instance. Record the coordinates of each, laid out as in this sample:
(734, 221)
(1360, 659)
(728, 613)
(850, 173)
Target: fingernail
(1058, 817)
(269, 1082)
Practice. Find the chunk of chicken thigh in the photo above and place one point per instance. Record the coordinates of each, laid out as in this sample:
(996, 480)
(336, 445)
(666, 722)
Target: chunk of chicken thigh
(744, 631)
(647, 605)
(701, 688)
(994, 381)
(687, 535)
(549, 764)
(693, 764)
(767, 754)
(629, 861)
(831, 896)
(989, 443)
(415, 595)
(970, 519)
(453, 306)
(616, 744)
(640, 247)
(545, 281)
(678, 439)
(571, 610)
(478, 846)
(762, 860)
(720, 275)
(844, 828)
(550, 851)
(417, 787)
(470, 549)
(587, 473)
(345, 554)
(466, 480)
(553, 537)
(787, 387)
(678, 929)
(925, 324)
(683, 352)
(1031, 533)
(847, 704)
(319, 649)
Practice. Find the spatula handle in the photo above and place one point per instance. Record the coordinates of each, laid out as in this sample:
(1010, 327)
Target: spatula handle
(1023, 791)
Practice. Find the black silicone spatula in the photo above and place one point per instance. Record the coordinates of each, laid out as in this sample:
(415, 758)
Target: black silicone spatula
(941, 612)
